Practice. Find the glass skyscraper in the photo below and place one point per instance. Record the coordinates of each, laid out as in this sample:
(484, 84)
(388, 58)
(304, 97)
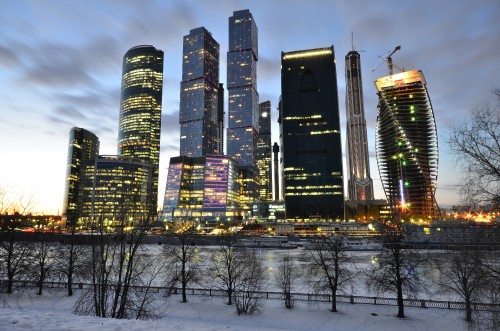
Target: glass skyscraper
(407, 145)
(243, 109)
(243, 106)
(359, 183)
(264, 152)
(200, 114)
(312, 152)
(140, 111)
(82, 153)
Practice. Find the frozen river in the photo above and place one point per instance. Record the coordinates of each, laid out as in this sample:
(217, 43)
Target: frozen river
(361, 262)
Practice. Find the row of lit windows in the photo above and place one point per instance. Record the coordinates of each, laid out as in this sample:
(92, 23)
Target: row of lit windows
(291, 194)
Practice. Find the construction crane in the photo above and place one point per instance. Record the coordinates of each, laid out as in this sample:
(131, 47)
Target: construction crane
(387, 59)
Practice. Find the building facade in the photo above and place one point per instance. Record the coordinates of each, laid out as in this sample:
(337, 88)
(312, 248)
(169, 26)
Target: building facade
(117, 192)
(359, 183)
(82, 153)
(264, 152)
(312, 152)
(202, 189)
(199, 115)
(140, 111)
(407, 145)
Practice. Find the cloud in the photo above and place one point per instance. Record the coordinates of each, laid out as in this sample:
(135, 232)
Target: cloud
(8, 57)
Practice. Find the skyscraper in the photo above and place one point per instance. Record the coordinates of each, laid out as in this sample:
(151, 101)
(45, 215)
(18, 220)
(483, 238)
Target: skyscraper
(243, 109)
(407, 145)
(360, 184)
(140, 110)
(312, 152)
(264, 156)
(199, 114)
(82, 153)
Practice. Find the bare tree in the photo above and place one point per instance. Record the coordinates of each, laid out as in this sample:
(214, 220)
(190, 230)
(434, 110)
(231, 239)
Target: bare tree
(227, 264)
(463, 274)
(115, 268)
(285, 278)
(246, 297)
(181, 257)
(72, 258)
(13, 252)
(397, 269)
(329, 261)
(43, 258)
(476, 145)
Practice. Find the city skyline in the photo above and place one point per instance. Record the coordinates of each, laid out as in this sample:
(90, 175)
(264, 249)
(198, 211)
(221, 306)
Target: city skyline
(60, 72)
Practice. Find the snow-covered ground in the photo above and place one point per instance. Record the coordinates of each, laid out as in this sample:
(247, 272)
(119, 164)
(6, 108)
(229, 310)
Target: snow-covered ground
(52, 311)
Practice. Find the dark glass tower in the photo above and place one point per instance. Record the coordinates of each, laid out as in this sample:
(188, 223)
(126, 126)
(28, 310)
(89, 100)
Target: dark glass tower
(264, 158)
(140, 111)
(276, 150)
(243, 107)
(407, 145)
(311, 136)
(360, 184)
(82, 153)
(199, 114)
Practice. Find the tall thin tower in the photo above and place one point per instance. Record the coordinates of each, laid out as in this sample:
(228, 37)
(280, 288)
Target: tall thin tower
(243, 107)
(199, 103)
(360, 184)
(264, 157)
(140, 111)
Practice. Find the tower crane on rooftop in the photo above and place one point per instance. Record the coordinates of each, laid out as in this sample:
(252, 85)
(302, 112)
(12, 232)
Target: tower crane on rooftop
(388, 59)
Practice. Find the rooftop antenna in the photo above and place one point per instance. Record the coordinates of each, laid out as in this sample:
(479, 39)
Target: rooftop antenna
(352, 42)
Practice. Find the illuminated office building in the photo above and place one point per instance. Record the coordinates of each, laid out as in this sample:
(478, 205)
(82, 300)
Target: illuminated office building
(264, 158)
(199, 114)
(312, 152)
(359, 183)
(140, 110)
(82, 152)
(407, 145)
(202, 189)
(243, 106)
(117, 191)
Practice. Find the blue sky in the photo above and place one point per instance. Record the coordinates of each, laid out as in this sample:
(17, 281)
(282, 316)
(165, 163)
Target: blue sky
(60, 66)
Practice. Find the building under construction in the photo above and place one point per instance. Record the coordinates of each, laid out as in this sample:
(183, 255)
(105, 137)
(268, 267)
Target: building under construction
(407, 145)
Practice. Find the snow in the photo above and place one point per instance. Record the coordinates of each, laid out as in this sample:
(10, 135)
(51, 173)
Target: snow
(53, 311)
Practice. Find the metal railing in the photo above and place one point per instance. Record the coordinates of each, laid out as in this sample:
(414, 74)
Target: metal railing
(318, 297)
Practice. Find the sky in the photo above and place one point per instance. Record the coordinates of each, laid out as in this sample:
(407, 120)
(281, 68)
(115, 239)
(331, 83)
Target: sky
(61, 61)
